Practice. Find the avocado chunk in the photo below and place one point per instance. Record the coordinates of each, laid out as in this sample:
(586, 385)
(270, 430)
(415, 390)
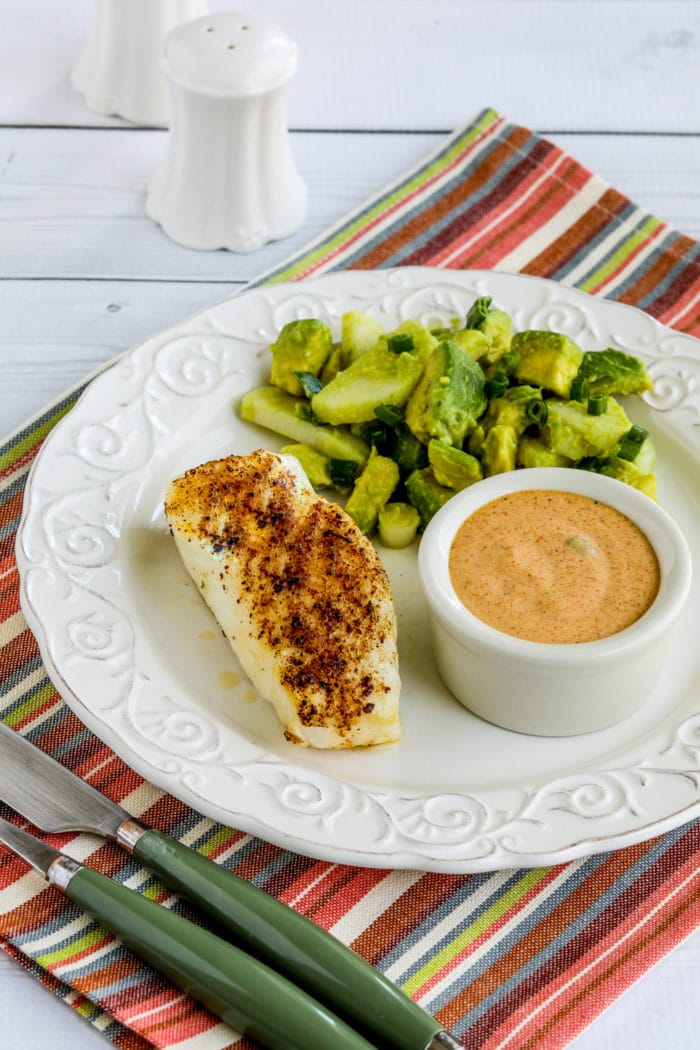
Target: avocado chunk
(497, 328)
(494, 324)
(476, 439)
(301, 346)
(372, 491)
(424, 342)
(378, 377)
(532, 452)
(499, 449)
(314, 465)
(449, 398)
(358, 333)
(474, 343)
(630, 474)
(452, 467)
(547, 359)
(426, 494)
(614, 372)
(505, 365)
(398, 525)
(512, 408)
(270, 407)
(335, 363)
(572, 432)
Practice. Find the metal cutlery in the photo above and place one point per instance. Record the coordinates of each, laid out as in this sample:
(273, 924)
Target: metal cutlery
(241, 990)
(55, 800)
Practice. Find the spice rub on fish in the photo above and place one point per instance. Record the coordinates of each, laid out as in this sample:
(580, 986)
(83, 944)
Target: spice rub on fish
(299, 592)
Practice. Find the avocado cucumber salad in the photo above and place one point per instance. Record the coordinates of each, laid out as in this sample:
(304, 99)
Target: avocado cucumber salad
(397, 422)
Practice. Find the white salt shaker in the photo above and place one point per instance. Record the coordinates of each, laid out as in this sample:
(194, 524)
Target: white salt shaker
(119, 70)
(227, 178)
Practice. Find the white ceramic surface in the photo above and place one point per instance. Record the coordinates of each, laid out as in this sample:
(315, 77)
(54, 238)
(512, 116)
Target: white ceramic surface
(119, 69)
(552, 690)
(227, 178)
(135, 652)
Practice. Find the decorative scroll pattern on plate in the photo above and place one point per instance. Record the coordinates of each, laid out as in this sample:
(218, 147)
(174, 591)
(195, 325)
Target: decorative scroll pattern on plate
(96, 574)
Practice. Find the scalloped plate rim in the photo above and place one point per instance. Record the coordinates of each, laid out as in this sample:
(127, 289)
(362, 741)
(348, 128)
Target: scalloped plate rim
(423, 855)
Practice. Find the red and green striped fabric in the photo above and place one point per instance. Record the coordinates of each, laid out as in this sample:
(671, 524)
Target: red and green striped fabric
(519, 958)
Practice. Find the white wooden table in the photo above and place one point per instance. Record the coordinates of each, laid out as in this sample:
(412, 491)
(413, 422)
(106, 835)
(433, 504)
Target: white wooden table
(84, 275)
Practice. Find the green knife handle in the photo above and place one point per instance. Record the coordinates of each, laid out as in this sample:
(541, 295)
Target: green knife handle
(291, 944)
(237, 988)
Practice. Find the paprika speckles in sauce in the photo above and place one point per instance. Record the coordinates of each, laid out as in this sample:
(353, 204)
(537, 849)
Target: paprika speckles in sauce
(554, 567)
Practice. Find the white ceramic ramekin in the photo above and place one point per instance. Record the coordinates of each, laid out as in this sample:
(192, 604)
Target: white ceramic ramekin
(552, 689)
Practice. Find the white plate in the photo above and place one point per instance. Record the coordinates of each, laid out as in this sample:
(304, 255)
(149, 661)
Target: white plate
(133, 649)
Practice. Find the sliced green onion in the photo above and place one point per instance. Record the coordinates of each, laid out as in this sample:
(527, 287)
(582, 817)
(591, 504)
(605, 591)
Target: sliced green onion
(579, 388)
(537, 411)
(478, 311)
(589, 463)
(378, 436)
(309, 383)
(409, 453)
(400, 342)
(597, 404)
(392, 415)
(497, 385)
(342, 472)
(303, 411)
(632, 443)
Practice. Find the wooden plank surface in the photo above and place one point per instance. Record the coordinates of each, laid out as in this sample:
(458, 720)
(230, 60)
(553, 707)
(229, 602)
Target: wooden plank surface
(628, 65)
(84, 274)
(72, 201)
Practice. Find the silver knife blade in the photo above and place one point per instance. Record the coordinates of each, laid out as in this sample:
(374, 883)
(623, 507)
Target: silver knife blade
(34, 851)
(54, 799)
(48, 794)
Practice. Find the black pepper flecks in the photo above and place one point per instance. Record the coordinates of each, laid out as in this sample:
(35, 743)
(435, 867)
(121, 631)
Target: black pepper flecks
(313, 584)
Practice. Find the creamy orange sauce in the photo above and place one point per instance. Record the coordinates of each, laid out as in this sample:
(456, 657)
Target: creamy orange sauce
(553, 567)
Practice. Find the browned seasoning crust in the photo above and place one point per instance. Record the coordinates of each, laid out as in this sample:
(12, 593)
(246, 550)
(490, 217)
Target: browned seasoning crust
(307, 577)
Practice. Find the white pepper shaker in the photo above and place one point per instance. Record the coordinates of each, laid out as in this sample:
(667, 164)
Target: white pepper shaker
(227, 178)
(119, 70)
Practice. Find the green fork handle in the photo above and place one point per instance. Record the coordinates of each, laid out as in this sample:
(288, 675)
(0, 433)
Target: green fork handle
(240, 990)
(291, 944)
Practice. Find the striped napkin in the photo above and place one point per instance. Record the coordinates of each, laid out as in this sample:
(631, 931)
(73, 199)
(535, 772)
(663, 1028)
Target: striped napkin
(518, 958)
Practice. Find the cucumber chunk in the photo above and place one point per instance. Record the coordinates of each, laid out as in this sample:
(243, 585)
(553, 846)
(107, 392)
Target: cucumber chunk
(398, 525)
(273, 408)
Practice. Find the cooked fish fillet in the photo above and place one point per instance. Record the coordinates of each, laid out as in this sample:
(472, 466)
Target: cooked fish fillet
(299, 592)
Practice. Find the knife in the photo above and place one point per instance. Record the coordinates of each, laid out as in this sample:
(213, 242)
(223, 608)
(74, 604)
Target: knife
(56, 800)
(241, 990)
